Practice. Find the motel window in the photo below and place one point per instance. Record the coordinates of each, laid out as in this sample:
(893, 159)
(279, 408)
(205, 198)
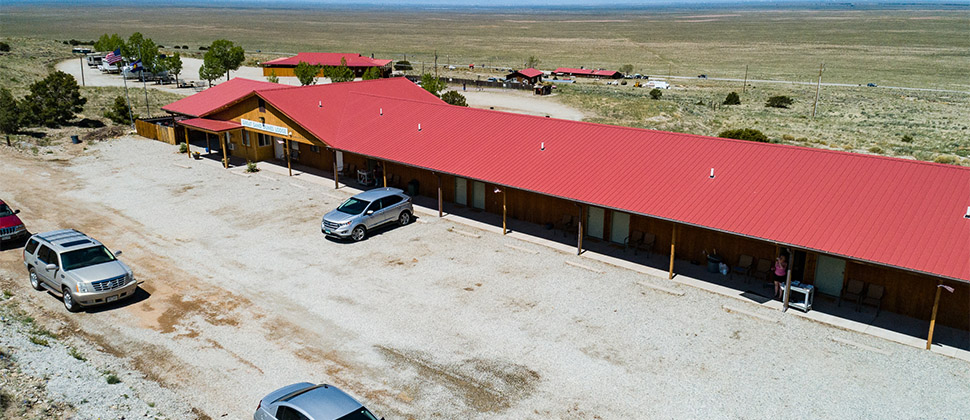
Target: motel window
(245, 139)
(262, 104)
(264, 140)
(294, 145)
(315, 149)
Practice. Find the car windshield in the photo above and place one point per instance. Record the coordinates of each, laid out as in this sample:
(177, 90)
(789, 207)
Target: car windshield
(353, 206)
(359, 414)
(86, 257)
(5, 210)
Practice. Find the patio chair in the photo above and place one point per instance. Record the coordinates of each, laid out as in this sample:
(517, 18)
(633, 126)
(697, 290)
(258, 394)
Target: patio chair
(646, 244)
(350, 171)
(566, 225)
(853, 292)
(743, 267)
(762, 269)
(633, 241)
(873, 297)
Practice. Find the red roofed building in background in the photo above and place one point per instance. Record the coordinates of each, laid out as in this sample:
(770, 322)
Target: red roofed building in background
(529, 75)
(895, 225)
(566, 71)
(283, 67)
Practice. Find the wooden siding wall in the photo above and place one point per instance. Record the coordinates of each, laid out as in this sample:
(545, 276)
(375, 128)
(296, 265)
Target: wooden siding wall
(321, 159)
(249, 109)
(913, 294)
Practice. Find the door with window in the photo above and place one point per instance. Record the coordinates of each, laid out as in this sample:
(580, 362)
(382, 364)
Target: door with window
(829, 275)
(46, 256)
(619, 226)
(594, 222)
(461, 191)
(478, 195)
(278, 149)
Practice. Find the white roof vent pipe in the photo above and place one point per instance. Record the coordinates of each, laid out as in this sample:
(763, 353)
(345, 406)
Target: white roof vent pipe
(382, 111)
(319, 104)
(967, 216)
(542, 146)
(712, 173)
(419, 127)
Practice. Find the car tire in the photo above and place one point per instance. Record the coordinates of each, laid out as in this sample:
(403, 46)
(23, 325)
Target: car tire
(69, 302)
(359, 233)
(34, 280)
(404, 218)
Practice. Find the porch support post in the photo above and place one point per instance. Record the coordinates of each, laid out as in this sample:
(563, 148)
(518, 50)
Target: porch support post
(441, 206)
(936, 305)
(673, 241)
(207, 146)
(505, 229)
(188, 146)
(791, 257)
(286, 145)
(225, 145)
(579, 241)
(336, 176)
(384, 172)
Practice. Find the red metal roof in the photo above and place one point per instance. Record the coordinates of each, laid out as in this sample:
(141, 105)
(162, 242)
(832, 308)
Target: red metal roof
(529, 72)
(890, 211)
(318, 108)
(327, 59)
(607, 73)
(216, 126)
(567, 70)
(218, 97)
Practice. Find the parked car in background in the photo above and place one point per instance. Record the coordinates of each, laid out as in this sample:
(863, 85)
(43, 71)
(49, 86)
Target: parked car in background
(306, 401)
(11, 227)
(871, 84)
(366, 211)
(78, 267)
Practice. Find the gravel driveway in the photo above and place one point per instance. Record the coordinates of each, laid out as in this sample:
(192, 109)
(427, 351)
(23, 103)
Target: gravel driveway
(243, 295)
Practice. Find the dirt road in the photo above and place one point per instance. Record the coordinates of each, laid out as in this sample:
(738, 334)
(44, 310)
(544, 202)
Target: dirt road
(242, 294)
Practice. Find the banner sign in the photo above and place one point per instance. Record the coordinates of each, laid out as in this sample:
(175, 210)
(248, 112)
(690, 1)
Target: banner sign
(265, 127)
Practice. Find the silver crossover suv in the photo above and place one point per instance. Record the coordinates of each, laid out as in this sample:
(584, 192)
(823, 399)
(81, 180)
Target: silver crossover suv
(367, 210)
(78, 267)
(306, 401)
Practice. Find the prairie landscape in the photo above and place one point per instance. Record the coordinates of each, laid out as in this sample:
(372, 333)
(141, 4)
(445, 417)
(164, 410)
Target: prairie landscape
(893, 48)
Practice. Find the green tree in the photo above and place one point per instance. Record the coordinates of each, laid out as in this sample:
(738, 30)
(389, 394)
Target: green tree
(109, 43)
(779, 102)
(371, 74)
(272, 77)
(732, 99)
(432, 84)
(656, 93)
(403, 65)
(532, 62)
(209, 71)
(174, 65)
(307, 73)
(454, 98)
(626, 68)
(340, 73)
(140, 48)
(119, 112)
(749, 134)
(225, 56)
(11, 117)
(54, 100)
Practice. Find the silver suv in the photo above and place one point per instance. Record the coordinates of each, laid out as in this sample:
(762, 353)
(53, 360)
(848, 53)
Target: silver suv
(366, 211)
(78, 267)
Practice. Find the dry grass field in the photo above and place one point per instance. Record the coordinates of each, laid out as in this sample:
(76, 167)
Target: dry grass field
(906, 47)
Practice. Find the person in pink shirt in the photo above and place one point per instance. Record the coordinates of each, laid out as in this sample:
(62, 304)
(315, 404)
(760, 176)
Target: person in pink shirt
(778, 273)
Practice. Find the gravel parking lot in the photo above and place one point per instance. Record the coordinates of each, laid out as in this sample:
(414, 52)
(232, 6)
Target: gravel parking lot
(243, 295)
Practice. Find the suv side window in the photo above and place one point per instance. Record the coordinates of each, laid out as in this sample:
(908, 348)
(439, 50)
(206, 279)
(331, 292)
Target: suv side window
(44, 255)
(390, 201)
(31, 246)
(375, 205)
(288, 413)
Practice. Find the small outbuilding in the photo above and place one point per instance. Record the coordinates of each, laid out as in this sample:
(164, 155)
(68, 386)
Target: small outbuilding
(529, 75)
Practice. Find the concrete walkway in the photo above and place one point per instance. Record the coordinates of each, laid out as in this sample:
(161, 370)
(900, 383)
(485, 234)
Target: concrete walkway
(890, 326)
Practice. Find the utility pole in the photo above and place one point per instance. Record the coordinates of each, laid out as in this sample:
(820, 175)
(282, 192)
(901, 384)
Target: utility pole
(745, 85)
(82, 70)
(818, 87)
(436, 64)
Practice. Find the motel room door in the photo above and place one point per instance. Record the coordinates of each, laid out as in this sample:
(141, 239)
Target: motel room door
(829, 275)
(461, 191)
(278, 148)
(619, 226)
(594, 222)
(478, 195)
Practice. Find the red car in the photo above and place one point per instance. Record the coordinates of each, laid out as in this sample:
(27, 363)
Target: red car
(11, 228)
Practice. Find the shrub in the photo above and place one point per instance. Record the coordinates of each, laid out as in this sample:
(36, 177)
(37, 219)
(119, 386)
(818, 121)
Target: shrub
(623, 82)
(371, 74)
(119, 111)
(876, 149)
(54, 100)
(788, 137)
(177, 47)
(947, 159)
(112, 379)
(906, 138)
(306, 73)
(749, 134)
(183, 148)
(656, 93)
(454, 98)
(4, 47)
(272, 77)
(779, 101)
(403, 65)
(76, 354)
(732, 99)
(39, 341)
(185, 47)
(251, 167)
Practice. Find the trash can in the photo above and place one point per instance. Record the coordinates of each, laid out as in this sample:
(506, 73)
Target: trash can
(712, 263)
(75, 140)
(413, 187)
